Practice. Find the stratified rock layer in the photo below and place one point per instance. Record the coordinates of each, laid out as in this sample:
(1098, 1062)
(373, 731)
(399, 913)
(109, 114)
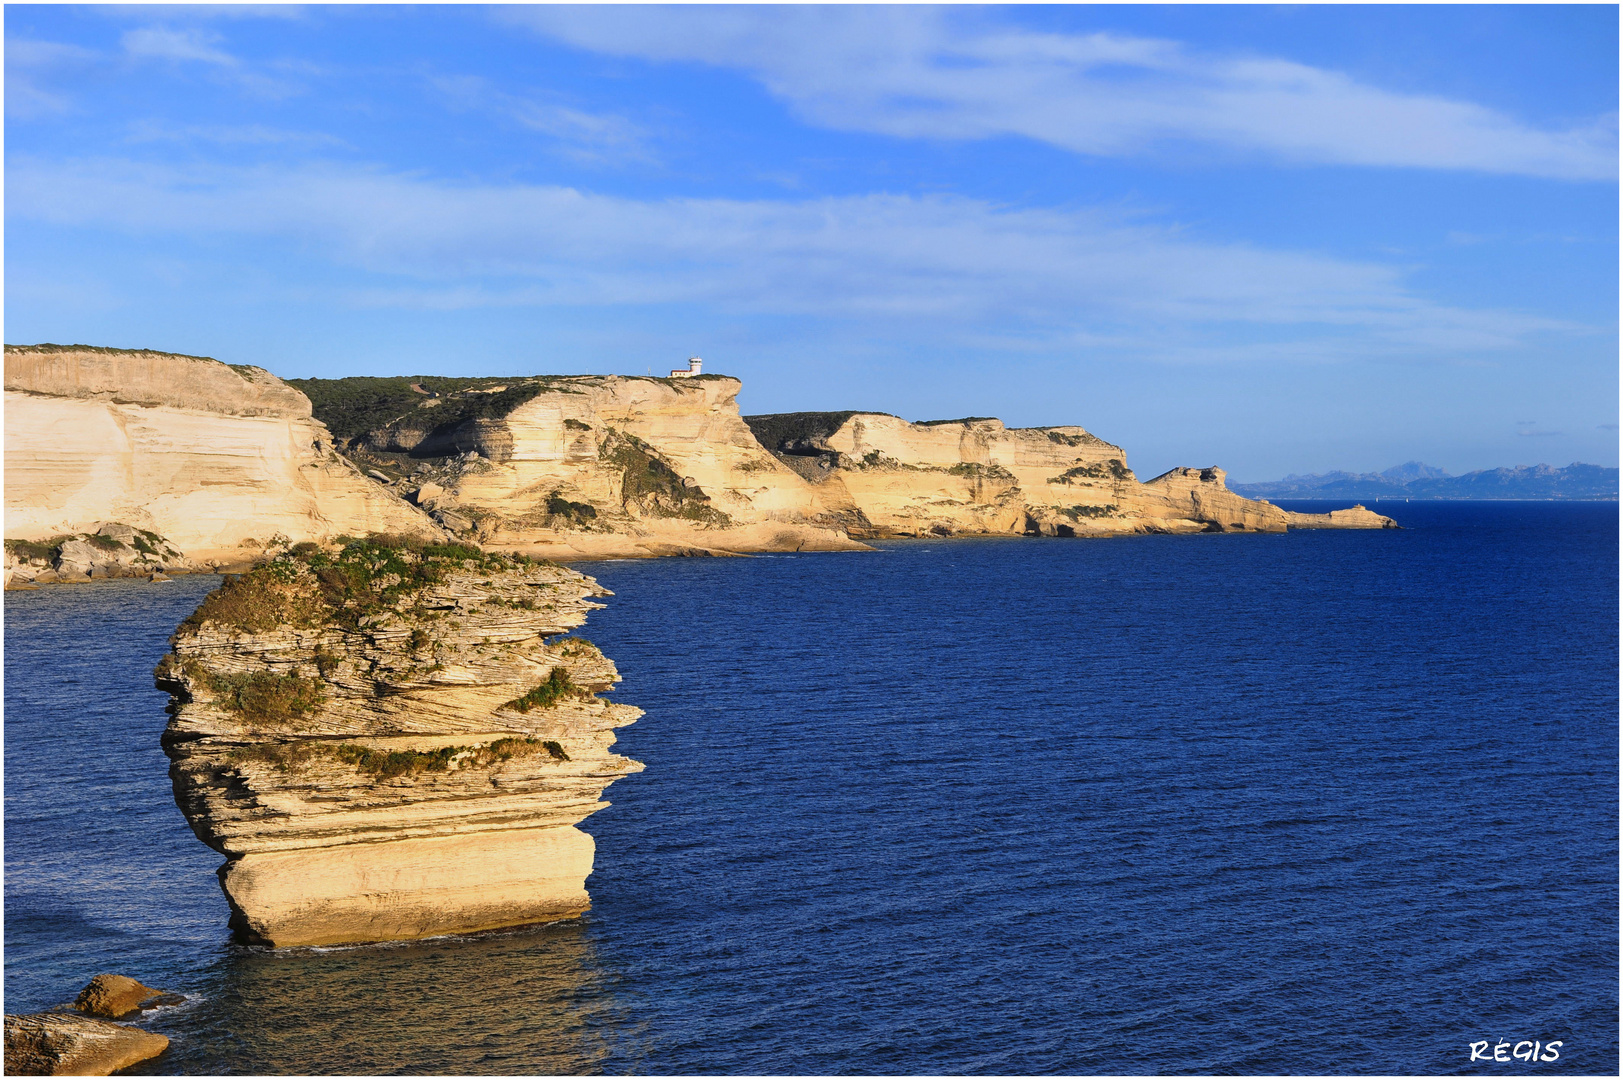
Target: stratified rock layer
(215, 458)
(615, 465)
(391, 742)
(884, 476)
(57, 1044)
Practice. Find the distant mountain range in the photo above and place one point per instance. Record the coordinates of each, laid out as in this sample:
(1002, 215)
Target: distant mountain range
(1416, 480)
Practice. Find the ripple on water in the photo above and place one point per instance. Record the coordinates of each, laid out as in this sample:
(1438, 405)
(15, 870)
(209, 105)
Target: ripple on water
(1313, 803)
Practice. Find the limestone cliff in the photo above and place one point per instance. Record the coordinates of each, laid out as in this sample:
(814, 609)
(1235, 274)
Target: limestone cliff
(217, 459)
(389, 741)
(885, 476)
(584, 465)
(608, 465)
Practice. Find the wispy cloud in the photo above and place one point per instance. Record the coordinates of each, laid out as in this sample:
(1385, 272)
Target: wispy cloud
(954, 74)
(194, 45)
(29, 64)
(933, 264)
(154, 131)
(584, 135)
(167, 43)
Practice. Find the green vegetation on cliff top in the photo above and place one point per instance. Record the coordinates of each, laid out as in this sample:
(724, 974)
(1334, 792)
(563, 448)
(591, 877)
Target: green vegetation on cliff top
(799, 430)
(307, 586)
(357, 405)
(51, 346)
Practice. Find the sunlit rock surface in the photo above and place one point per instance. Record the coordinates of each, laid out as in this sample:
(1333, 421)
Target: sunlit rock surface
(571, 466)
(217, 459)
(61, 1044)
(388, 742)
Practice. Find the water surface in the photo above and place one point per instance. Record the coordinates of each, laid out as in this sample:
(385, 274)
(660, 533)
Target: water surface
(1324, 802)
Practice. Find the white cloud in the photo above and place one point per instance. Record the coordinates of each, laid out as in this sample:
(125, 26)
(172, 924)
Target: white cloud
(918, 265)
(928, 73)
(585, 136)
(165, 43)
(28, 63)
(150, 131)
(194, 45)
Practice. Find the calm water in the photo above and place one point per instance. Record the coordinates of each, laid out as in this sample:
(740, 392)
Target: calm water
(1315, 803)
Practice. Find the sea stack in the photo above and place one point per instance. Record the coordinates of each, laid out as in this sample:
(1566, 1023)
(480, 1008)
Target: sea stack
(392, 740)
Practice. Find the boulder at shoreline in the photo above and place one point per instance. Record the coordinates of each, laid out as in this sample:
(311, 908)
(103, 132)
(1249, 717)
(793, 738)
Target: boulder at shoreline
(61, 1044)
(113, 996)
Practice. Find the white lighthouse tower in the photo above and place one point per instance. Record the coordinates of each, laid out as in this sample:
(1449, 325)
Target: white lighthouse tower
(694, 364)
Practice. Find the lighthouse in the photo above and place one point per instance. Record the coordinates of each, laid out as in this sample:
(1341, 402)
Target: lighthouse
(694, 364)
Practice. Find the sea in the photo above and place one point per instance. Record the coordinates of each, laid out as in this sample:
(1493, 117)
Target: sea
(1314, 803)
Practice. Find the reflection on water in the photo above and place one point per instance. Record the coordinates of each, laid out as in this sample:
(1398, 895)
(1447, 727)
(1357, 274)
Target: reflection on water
(533, 1001)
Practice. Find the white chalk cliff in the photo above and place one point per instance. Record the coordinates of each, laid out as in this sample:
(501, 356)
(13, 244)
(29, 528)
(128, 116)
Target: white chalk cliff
(216, 459)
(611, 465)
(978, 476)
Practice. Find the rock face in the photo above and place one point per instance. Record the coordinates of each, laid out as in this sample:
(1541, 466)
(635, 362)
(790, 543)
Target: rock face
(885, 476)
(58, 1044)
(591, 465)
(609, 465)
(214, 458)
(384, 743)
(220, 460)
(112, 550)
(113, 996)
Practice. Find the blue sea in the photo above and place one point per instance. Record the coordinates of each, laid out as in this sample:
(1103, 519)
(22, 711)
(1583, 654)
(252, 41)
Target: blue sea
(1323, 802)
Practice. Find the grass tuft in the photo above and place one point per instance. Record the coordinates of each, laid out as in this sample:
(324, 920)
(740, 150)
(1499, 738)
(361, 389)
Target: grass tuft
(557, 686)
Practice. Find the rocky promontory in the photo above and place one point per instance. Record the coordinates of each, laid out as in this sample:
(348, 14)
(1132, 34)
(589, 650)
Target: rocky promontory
(608, 465)
(885, 476)
(393, 740)
(222, 461)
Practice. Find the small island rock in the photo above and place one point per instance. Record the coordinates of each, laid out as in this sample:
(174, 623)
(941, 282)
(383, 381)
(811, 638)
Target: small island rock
(393, 740)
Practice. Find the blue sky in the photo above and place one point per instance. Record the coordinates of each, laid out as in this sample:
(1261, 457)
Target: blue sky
(1274, 239)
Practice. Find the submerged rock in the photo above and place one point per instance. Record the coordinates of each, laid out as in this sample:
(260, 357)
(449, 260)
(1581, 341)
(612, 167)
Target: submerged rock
(384, 743)
(60, 1044)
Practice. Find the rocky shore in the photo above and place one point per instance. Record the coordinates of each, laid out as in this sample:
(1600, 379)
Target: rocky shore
(82, 1042)
(392, 740)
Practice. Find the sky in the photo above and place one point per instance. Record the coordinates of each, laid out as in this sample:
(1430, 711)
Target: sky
(1279, 240)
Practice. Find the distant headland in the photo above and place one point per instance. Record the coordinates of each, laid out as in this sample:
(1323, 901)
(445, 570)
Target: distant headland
(206, 463)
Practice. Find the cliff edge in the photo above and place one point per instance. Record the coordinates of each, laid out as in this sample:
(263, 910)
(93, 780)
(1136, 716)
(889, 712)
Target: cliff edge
(388, 741)
(579, 466)
(215, 459)
(572, 466)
